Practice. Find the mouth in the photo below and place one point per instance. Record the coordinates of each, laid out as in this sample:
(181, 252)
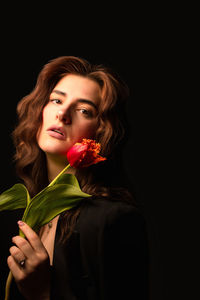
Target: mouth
(57, 132)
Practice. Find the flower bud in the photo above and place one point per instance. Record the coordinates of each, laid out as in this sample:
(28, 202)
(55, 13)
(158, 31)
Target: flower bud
(84, 154)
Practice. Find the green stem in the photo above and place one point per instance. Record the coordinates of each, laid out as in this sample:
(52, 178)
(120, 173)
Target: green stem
(8, 283)
(63, 171)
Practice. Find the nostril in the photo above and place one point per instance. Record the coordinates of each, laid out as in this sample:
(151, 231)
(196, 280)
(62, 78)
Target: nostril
(64, 117)
(59, 115)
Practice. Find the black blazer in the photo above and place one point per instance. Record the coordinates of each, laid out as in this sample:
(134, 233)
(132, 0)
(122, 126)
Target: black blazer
(105, 258)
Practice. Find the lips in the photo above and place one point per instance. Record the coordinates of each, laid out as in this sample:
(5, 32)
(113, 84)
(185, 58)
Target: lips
(57, 132)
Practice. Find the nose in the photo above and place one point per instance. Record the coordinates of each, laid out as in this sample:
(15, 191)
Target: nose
(63, 117)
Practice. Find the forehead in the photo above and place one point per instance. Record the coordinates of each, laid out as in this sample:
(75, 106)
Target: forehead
(79, 86)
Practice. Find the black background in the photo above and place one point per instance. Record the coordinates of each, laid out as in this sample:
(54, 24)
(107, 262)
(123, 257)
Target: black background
(143, 51)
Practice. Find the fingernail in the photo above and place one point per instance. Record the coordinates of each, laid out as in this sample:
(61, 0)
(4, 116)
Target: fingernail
(20, 223)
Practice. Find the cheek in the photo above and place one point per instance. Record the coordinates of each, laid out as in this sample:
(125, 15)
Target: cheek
(39, 136)
(90, 130)
(45, 114)
(42, 126)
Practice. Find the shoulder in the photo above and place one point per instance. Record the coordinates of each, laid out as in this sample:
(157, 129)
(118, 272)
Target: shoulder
(100, 214)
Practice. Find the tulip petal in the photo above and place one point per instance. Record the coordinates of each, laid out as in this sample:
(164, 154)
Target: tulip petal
(84, 154)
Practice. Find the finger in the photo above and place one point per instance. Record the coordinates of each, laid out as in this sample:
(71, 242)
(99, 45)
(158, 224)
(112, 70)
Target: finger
(17, 254)
(15, 269)
(24, 246)
(31, 236)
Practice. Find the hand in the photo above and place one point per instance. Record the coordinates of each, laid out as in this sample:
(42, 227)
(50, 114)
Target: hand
(32, 276)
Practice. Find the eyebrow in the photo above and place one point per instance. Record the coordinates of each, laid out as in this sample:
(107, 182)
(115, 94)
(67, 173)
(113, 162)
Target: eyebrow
(79, 100)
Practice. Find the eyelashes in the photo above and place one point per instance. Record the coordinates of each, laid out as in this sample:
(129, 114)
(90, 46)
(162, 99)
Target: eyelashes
(56, 101)
(88, 113)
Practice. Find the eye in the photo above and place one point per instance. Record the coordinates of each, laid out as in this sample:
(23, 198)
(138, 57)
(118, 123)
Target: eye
(86, 112)
(56, 101)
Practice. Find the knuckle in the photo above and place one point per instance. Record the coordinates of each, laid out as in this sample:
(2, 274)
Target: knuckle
(13, 250)
(19, 241)
(44, 257)
(14, 238)
(9, 260)
(34, 237)
(21, 278)
(39, 260)
(22, 242)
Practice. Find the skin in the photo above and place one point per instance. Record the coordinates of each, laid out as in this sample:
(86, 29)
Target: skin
(78, 119)
(34, 279)
(67, 109)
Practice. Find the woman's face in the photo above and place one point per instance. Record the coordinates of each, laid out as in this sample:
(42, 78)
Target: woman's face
(70, 115)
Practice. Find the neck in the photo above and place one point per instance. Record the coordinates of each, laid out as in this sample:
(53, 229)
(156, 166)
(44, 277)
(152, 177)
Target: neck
(55, 164)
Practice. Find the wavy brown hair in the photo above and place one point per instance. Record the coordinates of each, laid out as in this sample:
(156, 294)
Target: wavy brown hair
(30, 159)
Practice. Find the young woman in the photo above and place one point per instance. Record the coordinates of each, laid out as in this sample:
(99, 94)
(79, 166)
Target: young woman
(97, 250)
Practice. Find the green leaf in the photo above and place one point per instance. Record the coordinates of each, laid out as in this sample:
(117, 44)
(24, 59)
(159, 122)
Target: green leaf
(50, 203)
(14, 198)
(67, 179)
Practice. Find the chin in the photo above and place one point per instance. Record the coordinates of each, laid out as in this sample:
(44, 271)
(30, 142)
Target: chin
(54, 150)
(56, 156)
